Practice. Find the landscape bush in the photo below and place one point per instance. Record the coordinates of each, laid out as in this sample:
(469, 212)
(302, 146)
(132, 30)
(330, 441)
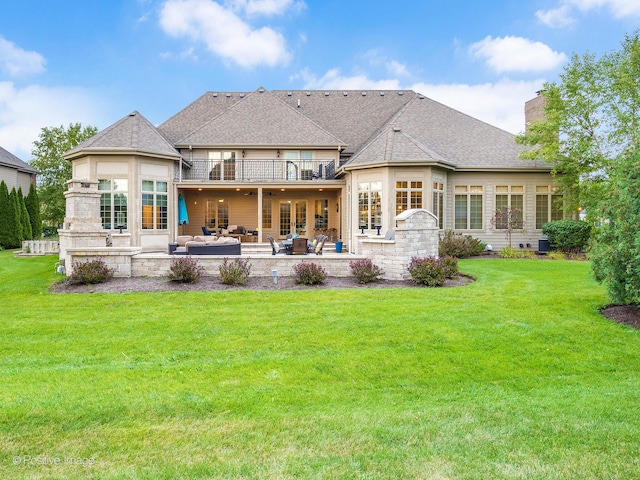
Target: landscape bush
(185, 270)
(89, 272)
(450, 265)
(458, 245)
(309, 274)
(568, 236)
(235, 272)
(365, 270)
(429, 271)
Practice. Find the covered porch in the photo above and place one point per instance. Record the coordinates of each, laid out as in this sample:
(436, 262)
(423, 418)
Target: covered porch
(253, 213)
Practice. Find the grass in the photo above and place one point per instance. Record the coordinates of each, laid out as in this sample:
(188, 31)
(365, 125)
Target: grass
(514, 376)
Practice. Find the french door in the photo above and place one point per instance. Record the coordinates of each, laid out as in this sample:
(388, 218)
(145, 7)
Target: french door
(293, 217)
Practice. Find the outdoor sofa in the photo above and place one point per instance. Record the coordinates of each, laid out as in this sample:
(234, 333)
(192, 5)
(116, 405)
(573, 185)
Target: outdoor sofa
(201, 245)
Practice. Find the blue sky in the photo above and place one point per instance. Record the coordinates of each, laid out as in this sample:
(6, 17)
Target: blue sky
(96, 61)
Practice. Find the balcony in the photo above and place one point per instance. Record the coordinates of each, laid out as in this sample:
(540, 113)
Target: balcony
(257, 170)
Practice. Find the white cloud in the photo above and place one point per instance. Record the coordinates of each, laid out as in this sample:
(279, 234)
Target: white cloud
(18, 62)
(334, 80)
(224, 33)
(267, 7)
(500, 104)
(25, 111)
(619, 8)
(516, 54)
(557, 17)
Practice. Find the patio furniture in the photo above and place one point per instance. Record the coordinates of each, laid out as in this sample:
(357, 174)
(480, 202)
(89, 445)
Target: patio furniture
(276, 247)
(206, 231)
(320, 244)
(299, 246)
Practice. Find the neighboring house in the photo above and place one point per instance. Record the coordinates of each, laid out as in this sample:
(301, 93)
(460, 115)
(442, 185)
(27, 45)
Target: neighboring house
(15, 172)
(340, 162)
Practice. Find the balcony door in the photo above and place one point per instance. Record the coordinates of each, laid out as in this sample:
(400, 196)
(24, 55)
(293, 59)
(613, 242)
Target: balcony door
(293, 217)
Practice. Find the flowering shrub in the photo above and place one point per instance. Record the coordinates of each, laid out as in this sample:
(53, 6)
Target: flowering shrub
(90, 272)
(309, 274)
(236, 272)
(450, 265)
(185, 270)
(427, 271)
(365, 271)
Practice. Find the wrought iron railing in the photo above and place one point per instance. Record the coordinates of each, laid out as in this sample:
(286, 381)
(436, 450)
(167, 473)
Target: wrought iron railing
(257, 170)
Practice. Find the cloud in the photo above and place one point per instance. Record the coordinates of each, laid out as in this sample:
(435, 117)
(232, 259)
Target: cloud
(619, 8)
(25, 111)
(556, 18)
(516, 54)
(334, 80)
(500, 104)
(18, 62)
(267, 7)
(561, 16)
(224, 33)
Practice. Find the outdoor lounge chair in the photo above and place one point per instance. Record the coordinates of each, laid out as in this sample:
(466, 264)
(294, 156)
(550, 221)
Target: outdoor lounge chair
(320, 244)
(206, 231)
(276, 247)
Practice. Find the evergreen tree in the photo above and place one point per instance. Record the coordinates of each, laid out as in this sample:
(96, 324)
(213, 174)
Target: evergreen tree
(6, 213)
(33, 207)
(27, 233)
(18, 234)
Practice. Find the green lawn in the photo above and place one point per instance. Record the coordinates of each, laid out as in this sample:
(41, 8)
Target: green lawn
(516, 376)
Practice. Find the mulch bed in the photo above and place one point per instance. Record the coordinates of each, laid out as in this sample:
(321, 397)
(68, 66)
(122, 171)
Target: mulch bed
(624, 314)
(162, 284)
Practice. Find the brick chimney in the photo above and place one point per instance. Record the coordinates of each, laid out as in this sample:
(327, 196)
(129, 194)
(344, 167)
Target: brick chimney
(534, 109)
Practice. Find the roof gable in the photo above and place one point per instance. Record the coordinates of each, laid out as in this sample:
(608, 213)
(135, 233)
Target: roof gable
(131, 133)
(261, 119)
(8, 159)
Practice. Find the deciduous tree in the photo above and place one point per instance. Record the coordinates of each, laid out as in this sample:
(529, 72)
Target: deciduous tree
(55, 171)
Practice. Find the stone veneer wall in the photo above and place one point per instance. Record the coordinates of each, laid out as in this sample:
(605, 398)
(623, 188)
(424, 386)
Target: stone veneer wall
(157, 264)
(416, 235)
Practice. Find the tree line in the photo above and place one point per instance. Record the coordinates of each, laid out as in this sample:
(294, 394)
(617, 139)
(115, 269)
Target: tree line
(19, 216)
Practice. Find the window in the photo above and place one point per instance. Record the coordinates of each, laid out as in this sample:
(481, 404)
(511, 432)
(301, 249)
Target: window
(154, 205)
(267, 216)
(438, 203)
(113, 203)
(222, 165)
(468, 207)
(299, 165)
(408, 195)
(369, 204)
(321, 213)
(216, 213)
(511, 197)
(548, 205)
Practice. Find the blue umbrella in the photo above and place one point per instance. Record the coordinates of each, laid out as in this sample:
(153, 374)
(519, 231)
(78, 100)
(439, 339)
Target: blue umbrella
(183, 216)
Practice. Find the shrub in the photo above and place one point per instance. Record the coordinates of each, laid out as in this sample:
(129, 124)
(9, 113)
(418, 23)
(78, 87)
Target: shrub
(49, 231)
(460, 246)
(428, 271)
(568, 236)
(365, 271)
(185, 270)
(450, 265)
(235, 272)
(90, 272)
(309, 274)
(556, 256)
(509, 252)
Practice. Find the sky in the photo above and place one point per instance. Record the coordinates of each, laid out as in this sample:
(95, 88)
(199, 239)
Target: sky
(94, 62)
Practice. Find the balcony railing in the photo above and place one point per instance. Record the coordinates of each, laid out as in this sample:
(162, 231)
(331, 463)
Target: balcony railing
(258, 170)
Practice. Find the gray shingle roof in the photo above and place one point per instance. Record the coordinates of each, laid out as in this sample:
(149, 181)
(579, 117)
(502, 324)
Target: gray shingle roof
(131, 133)
(8, 159)
(429, 131)
(261, 119)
